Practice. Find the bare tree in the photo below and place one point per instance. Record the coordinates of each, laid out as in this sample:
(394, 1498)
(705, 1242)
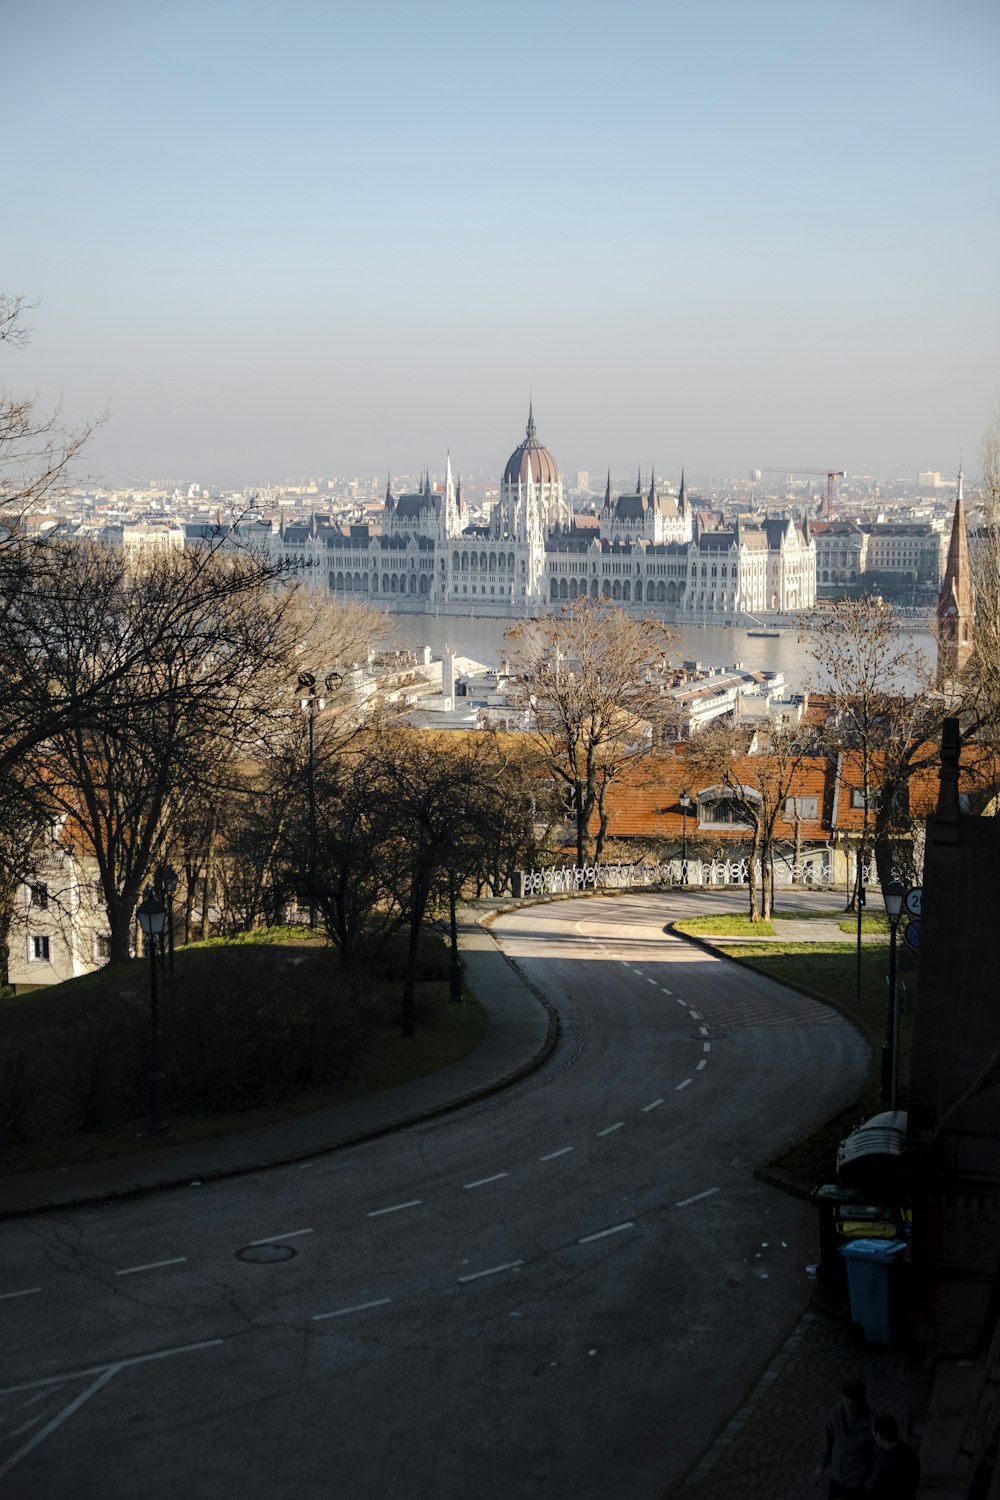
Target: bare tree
(590, 676)
(756, 787)
(884, 714)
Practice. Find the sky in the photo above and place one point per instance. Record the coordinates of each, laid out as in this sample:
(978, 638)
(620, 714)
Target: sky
(273, 240)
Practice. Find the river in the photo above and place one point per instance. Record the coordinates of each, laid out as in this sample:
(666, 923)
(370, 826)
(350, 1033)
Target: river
(711, 645)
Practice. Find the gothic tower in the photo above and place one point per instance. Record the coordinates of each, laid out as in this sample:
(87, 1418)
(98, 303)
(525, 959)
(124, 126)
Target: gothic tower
(956, 604)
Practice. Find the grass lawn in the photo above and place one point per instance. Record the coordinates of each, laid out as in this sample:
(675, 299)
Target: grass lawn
(445, 1034)
(828, 971)
(731, 925)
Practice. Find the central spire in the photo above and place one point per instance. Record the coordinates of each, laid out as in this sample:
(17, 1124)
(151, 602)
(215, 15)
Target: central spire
(531, 421)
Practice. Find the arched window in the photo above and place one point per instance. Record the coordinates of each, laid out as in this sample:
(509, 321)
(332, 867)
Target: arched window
(364, 583)
(554, 589)
(593, 588)
(627, 591)
(606, 590)
(413, 583)
(638, 591)
(572, 588)
(454, 561)
(616, 592)
(465, 562)
(423, 583)
(385, 583)
(395, 584)
(493, 562)
(349, 583)
(563, 589)
(661, 592)
(357, 583)
(482, 561)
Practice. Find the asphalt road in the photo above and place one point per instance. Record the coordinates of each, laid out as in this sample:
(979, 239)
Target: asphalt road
(563, 1291)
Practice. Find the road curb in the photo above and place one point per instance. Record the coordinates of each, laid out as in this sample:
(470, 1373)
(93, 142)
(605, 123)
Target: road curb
(221, 1174)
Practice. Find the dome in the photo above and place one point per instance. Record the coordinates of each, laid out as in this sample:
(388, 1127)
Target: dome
(531, 461)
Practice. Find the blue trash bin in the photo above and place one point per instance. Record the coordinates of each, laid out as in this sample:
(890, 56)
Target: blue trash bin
(869, 1282)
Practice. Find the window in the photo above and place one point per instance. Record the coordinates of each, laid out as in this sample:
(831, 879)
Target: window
(801, 807)
(38, 950)
(102, 947)
(38, 895)
(858, 797)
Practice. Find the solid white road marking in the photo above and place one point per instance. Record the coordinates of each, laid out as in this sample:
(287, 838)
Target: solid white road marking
(29, 1291)
(119, 1364)
(655, 1104)
(610, 1128)
(358, 1307)
(615, 1229)
(292, 1234)
(58, 1419)
(482, 1181)
(395, 1208)
(153, 1265)
(553, 1154)
(683, 1085)
(697, 1198)
(510, 1265)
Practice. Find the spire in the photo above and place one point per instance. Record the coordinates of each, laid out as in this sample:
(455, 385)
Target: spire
(532, 437)
(682, 495)
(458, 495)
(607, 494)
(427, 484)
(956, 602)
(638, 482)
(389, 502)
(651, 502)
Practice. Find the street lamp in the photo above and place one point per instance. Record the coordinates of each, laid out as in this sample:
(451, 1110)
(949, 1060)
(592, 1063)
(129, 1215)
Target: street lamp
(151, 916)
(166, 885)
(686, 804)
(890, 1047)
(312, 703)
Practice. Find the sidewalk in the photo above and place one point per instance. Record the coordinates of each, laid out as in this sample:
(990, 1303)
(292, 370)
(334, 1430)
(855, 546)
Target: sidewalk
(521, 1033)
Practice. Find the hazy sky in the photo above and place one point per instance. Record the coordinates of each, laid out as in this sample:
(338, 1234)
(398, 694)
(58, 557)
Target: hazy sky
(314, 238)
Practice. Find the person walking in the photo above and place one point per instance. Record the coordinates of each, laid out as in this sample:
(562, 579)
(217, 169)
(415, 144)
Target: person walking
(897, 1468)
(848, 1455)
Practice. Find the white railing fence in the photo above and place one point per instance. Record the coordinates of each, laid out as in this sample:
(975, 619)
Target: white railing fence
(815, 872)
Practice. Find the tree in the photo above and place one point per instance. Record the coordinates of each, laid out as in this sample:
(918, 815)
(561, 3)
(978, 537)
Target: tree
(757, 787)
(884, 714)
(173, 661)
(590, 678)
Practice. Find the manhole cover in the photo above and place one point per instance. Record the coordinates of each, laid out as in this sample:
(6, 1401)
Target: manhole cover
(265, 1253)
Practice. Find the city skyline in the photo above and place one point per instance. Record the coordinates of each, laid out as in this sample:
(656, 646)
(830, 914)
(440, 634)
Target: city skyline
(314, 241)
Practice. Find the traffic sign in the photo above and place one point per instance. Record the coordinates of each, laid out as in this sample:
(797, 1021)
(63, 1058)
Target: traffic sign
(912, 899)
(911, 933)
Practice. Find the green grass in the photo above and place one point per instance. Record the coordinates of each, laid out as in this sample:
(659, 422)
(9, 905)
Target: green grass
(286, 965)
(726, 926)
(828, 971)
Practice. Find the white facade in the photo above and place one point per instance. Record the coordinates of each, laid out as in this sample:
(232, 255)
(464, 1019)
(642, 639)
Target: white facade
(646, 552)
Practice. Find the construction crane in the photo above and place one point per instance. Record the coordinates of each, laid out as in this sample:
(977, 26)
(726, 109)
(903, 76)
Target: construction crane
(832, 475)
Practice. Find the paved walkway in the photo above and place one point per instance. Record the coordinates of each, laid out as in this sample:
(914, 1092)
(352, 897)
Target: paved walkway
(769, 1448)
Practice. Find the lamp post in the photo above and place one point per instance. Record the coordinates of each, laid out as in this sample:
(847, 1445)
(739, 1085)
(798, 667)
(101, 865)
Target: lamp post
(890, 1047)
(166, 885)
(312, 703)
(151, 916)
(686, 804)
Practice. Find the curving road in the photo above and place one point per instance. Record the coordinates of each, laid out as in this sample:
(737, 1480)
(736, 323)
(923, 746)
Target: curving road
(563, 1291)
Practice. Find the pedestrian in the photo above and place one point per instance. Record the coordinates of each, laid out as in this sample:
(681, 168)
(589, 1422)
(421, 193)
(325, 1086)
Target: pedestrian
(848, 1455)
(897, 1468)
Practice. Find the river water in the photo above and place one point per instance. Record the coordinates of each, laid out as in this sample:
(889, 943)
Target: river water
(711, 645)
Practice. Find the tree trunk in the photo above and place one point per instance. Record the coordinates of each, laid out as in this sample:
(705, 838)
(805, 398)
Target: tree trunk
(206, 922)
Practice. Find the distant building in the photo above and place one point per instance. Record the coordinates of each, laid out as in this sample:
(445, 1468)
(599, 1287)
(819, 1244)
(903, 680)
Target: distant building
(648, 552)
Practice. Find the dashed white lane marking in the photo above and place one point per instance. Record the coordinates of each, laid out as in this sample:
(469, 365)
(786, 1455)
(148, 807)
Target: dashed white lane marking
(553, 1154)
(358, 1307)
(679, 1001)
(655, 1105)
(601, 1233)
(665, 990)
(482, 1181)
(703, 1030)
(608, 1129)
(291, 1234)
(394, 1208)
(510, 1265)
(650, 981)
(682, 1085)
(304, 1164)
(706, 1047)
(694, 1015)
(697, 1198)
(29, 1291)
(153, 1265)
(702, 1064)
(625, 963)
